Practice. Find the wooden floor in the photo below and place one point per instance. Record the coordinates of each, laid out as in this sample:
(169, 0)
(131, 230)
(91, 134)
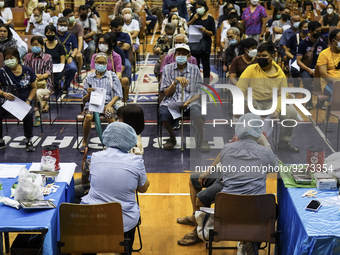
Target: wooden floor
(166, 200)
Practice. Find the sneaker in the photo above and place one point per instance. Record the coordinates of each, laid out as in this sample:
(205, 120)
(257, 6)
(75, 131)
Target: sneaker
(37, 122)
(88, 67)
(30, 147)
(79, 79)
(177, 125)
(2, 145)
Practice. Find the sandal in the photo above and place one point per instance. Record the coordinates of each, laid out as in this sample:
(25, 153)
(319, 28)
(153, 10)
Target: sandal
(192, 240)
(290, 148)
(185, 221)
(46, 108)
(170, 144)
(82, 149)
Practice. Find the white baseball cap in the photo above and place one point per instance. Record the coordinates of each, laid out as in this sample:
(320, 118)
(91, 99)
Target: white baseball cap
(182, 46)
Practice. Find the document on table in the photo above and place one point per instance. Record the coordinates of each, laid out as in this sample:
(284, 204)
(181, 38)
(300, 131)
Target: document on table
(174, 109)
(10, 171)
(195, 35)
(97, 100)
(17, 108)
(58, 68)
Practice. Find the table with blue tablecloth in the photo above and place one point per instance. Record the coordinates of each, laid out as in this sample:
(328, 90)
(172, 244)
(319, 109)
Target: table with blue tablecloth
(307, 232)
(45, 221)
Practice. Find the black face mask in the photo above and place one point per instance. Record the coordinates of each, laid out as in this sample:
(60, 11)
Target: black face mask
(118, 33)
(263, 62)
(232, 24)
(50, 37)
(83, 16)
(316, 35)
(285, 16)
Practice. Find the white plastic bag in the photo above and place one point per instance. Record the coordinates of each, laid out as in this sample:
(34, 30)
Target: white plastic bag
(29, 186)
(205, 222)
(47, 163)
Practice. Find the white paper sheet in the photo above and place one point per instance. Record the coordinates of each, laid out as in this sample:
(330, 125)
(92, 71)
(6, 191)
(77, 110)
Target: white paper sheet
(58, 68)
(17, 108)
(195, 35)
(97, 97)
(85, 45)
(65, 173)
(10, 171)
(174, 109)
(98, 107)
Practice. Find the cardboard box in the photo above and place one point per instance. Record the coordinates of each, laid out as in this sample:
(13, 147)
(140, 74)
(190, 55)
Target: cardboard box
(326, 184)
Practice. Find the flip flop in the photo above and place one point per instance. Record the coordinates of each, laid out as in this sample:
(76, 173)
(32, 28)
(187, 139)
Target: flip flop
(82, 149)
(185, 221)
(290, 148)
(186, 238)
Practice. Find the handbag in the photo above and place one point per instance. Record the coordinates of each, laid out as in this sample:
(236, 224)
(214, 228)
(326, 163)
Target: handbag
(198, 47)
(308, 57)
(8, 87)
(205, 222)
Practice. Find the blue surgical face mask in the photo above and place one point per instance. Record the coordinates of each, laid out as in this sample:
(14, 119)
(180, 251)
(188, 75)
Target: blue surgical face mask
(100, 68)
(181, 59)
(296, 25)
(233, 42)
(36, 49)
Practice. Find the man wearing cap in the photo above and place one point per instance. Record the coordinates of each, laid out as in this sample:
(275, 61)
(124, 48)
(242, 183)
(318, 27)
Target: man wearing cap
(116, 175)
(101, 78)
(180, 83)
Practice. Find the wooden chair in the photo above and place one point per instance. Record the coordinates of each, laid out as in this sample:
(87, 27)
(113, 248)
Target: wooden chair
(1, 60)
(48, 100)
(249, 218)
(104, 20)
(18, 19)
(334, 110)
(142, 35)
(317, 18)
(95, 229)
(27, 40)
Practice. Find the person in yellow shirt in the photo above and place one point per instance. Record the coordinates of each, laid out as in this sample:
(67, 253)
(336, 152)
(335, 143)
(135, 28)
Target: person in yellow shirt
(262, 78)
(329, 63)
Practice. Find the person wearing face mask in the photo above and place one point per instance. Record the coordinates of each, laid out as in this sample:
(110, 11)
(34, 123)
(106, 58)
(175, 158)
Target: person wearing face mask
(89, 26)
(208, 29)
(37, 27)
(328, 63)
(177, 77)
(241, 62)
(173, 10)
(131, 26)
(181, 5)
(24, 79)
(291, 51)
(307, 56)
(231, 22)
(45, 16)
(181, 28)
(288, 33)
(6, 13)
(279, 26)
(53, 14)
(56, 50)
(42, 65)
(328, 20)
(101, 78)
(163, 45)
(269, 75)
(77, 30)
(6, 38)
(254, 17)
(119, 7)
(235, 46)
(70, 44)
(134, 16)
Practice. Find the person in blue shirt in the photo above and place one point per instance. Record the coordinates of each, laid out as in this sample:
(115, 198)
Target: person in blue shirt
(182, 8)
(293, 30)
(70, 44)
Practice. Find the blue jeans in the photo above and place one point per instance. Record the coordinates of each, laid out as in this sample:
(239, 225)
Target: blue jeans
(127, 70)
(328, 90)
(71, 70)
(152, 23)
(90, 50)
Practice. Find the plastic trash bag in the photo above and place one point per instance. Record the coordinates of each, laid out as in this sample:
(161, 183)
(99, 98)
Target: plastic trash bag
(29, 186)
(47, 163)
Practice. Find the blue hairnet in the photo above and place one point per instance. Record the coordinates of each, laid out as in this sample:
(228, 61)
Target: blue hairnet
(255, 128)
(120, 135)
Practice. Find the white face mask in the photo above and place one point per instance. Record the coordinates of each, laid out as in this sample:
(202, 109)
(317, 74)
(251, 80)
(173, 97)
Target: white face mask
(103, 47)
(127, 16)
(175, 22)
(2, 4)
(255, 2)
(62, 29)
(330, 11)
(252, 53)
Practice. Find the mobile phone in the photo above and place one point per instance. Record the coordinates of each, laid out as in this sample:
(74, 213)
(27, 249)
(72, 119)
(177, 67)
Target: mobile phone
(314, 205)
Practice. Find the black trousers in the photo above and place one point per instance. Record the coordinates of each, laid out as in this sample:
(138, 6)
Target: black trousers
(205, 59)
(28, 122)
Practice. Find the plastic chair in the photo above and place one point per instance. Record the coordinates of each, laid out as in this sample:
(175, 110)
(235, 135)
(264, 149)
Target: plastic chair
(334, 110)
(321, 97)
(97, 229)
(249, 218)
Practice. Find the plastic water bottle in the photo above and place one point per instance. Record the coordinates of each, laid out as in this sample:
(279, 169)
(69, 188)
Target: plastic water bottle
(1, 190)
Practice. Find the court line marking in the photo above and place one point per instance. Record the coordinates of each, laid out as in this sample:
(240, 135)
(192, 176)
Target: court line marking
(173, 194)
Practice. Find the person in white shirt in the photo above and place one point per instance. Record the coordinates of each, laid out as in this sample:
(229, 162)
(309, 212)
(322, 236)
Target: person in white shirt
(37, 26)
(131, 26)
(173, 10)
(6, 13)
(45, 16)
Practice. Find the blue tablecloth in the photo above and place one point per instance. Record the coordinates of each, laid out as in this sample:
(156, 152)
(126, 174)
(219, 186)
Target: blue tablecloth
(306, 232)
(13, 220)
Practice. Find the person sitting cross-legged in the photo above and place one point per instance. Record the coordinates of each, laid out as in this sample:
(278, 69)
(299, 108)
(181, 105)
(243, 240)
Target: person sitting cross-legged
(101, 78)
(180, 83)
